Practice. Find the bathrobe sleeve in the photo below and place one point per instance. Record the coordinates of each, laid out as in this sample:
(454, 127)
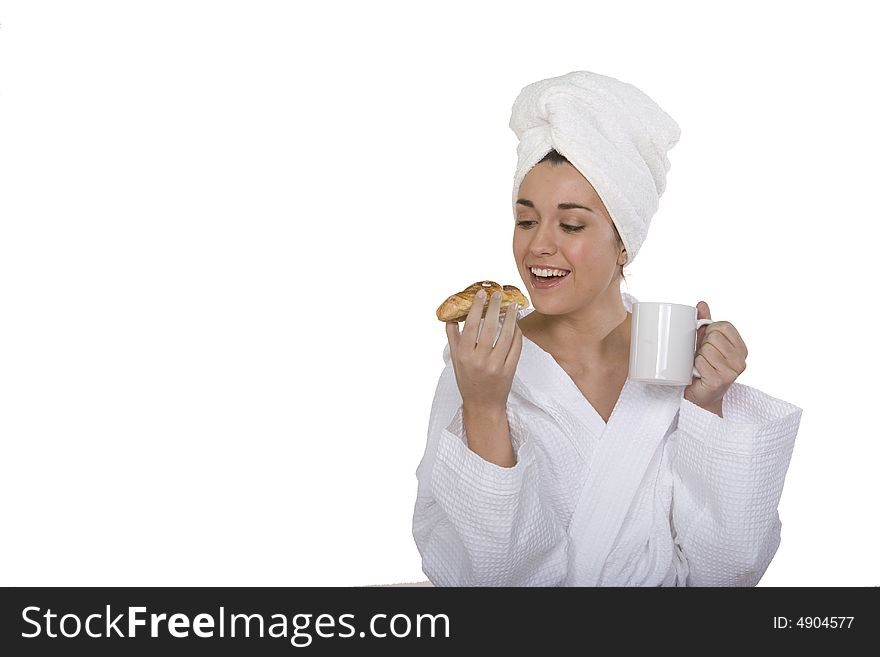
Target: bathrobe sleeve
(476, 523)
(727, 481)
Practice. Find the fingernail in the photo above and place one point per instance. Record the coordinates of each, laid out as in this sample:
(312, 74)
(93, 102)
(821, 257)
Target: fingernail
(496, 295)
(481, 294)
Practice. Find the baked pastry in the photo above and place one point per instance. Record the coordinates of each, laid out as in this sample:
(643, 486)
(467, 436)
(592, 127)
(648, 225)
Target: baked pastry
(456, 307)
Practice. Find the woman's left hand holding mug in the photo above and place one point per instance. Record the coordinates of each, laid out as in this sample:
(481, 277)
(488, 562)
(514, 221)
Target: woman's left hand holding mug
(720, 359)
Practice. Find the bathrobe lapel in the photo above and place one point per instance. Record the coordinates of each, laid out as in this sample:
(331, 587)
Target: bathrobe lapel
(540, 380)
(617, 453)
(633, 435)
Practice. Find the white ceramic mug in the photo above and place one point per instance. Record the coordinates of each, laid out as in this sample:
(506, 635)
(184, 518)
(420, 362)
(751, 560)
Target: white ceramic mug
(663, 344)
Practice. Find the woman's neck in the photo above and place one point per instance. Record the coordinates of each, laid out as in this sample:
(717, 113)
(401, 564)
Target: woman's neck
(593, 342)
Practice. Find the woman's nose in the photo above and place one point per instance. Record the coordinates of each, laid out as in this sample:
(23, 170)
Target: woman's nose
(542, 241)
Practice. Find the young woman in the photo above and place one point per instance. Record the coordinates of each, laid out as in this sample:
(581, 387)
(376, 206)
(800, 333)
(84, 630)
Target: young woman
(545, 465)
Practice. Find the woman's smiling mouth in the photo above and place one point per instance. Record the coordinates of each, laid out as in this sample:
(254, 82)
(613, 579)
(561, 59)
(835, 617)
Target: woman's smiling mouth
(544, 278)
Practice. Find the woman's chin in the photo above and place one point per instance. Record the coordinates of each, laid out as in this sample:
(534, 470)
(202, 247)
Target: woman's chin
(545, 308)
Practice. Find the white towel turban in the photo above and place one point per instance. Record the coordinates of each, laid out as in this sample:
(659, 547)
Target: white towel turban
(611, 132)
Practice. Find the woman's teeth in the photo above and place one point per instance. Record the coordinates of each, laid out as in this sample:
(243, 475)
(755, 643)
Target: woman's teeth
(547, 272)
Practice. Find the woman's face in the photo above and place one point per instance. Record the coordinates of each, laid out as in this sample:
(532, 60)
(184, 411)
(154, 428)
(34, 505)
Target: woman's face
(549, 231)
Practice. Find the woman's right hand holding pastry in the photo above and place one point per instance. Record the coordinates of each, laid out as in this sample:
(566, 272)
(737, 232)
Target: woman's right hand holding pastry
(484, 374)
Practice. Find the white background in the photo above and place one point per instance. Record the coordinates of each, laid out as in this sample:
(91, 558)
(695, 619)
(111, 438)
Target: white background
(226, 227)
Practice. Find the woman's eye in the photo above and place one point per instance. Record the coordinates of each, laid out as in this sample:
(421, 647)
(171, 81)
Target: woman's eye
(525, 223)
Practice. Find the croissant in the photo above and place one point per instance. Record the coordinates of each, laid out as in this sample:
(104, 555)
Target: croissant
(456, 307)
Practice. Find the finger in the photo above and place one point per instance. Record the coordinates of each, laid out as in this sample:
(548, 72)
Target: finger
(717, 340)
(506, 336)
(729, 331)
(713, 355)
(735, 353)
(490, 324)
(515, 349)
(709, 376)
(726, 339)
(472, 321)
(452, 336)
(703, 312)
(719, 370)
(727, 367)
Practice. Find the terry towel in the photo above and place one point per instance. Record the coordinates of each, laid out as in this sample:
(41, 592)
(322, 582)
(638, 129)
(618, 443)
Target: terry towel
(611, 132)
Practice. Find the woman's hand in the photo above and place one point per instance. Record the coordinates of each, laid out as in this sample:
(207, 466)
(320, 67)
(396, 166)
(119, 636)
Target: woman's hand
(721, 358)
(485, 373)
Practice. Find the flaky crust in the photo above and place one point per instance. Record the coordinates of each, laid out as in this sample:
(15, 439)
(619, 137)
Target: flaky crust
(456, 307)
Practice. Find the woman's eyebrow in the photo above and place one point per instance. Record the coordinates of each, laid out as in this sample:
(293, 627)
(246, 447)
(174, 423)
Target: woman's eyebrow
(571, 206)
(562, 206)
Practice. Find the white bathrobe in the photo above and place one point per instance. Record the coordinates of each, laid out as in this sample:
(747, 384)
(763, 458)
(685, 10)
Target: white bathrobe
(664, 494)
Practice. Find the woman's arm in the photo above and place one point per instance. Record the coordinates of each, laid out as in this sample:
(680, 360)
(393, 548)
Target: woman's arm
(477, 523)
(728, 475)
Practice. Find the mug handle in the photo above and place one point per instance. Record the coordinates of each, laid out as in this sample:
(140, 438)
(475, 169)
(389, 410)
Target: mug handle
(700, 323)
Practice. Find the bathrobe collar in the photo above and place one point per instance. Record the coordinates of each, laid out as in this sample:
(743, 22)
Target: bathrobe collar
(542, 379)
